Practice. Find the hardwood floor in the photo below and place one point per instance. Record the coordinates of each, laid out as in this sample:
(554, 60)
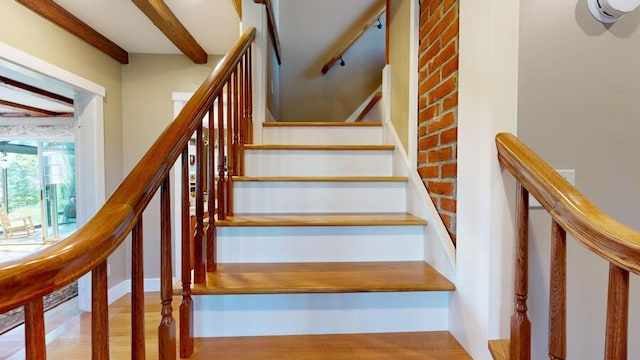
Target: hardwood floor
(71, 333)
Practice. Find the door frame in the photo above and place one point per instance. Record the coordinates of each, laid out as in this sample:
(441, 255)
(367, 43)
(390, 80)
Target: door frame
(89, 135)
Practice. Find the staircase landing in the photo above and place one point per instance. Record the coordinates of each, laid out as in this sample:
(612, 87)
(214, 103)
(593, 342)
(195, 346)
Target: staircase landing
(336, 277)
(416, 345)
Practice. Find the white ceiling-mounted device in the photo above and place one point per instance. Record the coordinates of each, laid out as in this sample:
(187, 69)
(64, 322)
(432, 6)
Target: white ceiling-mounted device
(610, 11)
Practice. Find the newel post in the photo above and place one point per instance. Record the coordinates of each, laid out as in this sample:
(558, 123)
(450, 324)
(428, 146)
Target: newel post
(520, 345)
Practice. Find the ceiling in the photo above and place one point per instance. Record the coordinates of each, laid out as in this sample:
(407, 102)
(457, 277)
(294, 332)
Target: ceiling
(214, 24)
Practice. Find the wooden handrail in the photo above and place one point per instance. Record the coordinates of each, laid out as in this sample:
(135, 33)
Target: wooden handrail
(581, 219)
(27, 280)
(373, 19)
(572, 213)
(273, 28)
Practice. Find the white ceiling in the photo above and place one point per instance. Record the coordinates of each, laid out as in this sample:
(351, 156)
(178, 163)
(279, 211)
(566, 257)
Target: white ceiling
(213, 23)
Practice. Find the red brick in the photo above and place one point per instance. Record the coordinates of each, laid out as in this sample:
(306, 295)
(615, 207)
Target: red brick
(430, 54)
(429, 172)
(433, 5)
(444, 23)
(429, 83)
(447, 53)
(447, 220)
(451, 32)
(450, 101)
(444, 89)
(444, 154)
(449, 170)
(449, 136)
(422, 157)
(428, 142)
(445, 121)
(450, 67)
(422, 103)
(453, 237)
(448, 3)
(448, 204)
(422, 130)
(428, 114)
(440, 187)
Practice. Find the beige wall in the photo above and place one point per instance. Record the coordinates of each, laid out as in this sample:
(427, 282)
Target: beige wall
(147, 84)
(32, 34)
(311, 32)
(579, 109)
(399, 46)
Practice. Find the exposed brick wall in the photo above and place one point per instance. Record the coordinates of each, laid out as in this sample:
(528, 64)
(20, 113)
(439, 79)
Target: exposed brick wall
(438, 105)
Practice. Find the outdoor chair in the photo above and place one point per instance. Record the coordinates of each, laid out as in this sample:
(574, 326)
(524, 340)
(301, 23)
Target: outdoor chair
(16, 227)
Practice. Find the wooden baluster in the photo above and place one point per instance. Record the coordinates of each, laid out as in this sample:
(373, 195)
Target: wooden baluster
(250, 97)
(99, 313)
(242, 120)
(211, 199)
(137, 292)
(222, 181)
(237, 144)
(186, 307)
(167, 327)
(34, 337)
(617, 314)
(558, 294)
(199, 237)
(230, 154)
(520, 345)
(195, 247)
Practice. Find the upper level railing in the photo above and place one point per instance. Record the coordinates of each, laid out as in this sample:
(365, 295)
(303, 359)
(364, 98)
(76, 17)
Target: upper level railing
(374, 19)
(273, 28)
(26, 281)
(572, 213)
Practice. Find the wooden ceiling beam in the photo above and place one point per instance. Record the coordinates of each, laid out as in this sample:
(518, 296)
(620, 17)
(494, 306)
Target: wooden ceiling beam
(61, 17)
(33, 111)
(10, 83)
(164, 19)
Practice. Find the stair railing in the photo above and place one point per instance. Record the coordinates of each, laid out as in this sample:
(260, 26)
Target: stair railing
(26, 281)
(572, 213)
(338, 56)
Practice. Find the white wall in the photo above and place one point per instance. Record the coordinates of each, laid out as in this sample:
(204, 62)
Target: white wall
(311, 32)
(487, 105)
(578, 109)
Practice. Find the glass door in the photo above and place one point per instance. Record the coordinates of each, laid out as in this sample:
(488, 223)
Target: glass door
(58, 182)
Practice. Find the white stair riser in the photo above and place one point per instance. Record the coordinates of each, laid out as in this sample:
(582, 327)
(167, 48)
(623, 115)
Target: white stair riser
(322, 135)
(318, 197)
(321, 244)
(318, 163)
(256, 315)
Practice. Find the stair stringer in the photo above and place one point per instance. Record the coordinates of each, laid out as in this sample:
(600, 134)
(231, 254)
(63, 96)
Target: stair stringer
(439, 251)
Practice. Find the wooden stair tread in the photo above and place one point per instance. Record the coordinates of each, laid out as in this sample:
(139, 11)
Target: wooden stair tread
(414, 345)
(321, 178)
(374, 100)
(319, 147)
(326, 124)
(499, 349)
(329, 277)
(323, 219)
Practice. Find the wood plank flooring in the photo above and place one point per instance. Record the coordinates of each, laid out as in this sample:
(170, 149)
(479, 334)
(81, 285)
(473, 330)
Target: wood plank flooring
(323, 219)
(72, 341)
(339, 277)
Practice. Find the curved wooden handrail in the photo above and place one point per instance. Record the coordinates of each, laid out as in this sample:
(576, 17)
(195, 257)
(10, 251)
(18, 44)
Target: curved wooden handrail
(30, 278)
(273, 28)
(605, 236)
(374, 18)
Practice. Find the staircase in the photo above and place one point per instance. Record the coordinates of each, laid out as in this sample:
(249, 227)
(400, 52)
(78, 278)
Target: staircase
(321, 247)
